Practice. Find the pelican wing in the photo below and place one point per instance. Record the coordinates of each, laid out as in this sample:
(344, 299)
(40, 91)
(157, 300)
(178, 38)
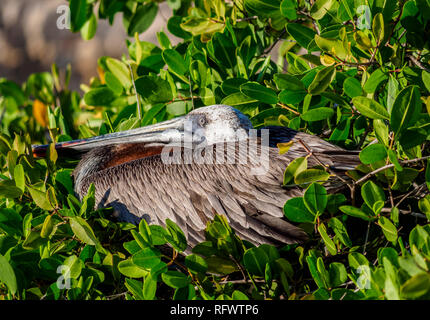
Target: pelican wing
(191, 194)
(244, 187)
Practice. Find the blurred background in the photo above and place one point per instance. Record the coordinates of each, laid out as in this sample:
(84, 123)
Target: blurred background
(30, 40)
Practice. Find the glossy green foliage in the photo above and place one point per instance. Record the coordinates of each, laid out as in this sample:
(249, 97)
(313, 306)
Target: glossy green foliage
(354, 74)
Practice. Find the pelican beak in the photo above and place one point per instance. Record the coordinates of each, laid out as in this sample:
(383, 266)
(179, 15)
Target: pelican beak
(170, 131)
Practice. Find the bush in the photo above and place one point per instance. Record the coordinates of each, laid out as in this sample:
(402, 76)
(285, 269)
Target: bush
(354, 72)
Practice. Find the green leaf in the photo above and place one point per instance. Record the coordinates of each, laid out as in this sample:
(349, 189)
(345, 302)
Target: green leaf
(9, 190)
(175, 236)
(370, 108)
(19, 177)
(139, 239)
(352, 87)
(303, 35)
(195, 263)
(406, 109)
(333, 47)
(363, 40)
(129, 269)
(295, 210)
(286, 81)
(239, 295)
(240, 101)
(320, 8)
(175, 62)
(99, 96)
(255, 260)
(322, 80)
(288, 9)
(40, 198)
(223, 49)
(346, 10)
(47, 227)
(340, 231)
(375, 80)
(388, 229)
(7, 275)
(317, 114)
(312, 264)
(356, 261)
(334, 201)
(295, 167)
(337, 274)
(315, 198)
(175, 279)
(331, 247)
(113, 83)
(311, 175)
(393, 88)
(83, 231)
(393, 159)
(74, 267)
(89, 29)
(416, 287)
(426, 79)
(378, 27)
(120, 70)
(262, 8)
(221, 266)
(33, 241)
(154, 89)
(261, 93)
(64, 177)
(158, 235)
(372, 193)
(232, 85)
(143, 18)
(135, 287)
(149, 287)
(196, 26)
(207, 96)
(145, 232)
(355, 212)
(147, 258)
(78, 13)
(373, 153)
(292, 97)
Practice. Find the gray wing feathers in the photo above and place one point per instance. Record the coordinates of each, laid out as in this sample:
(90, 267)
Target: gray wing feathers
(191, 194)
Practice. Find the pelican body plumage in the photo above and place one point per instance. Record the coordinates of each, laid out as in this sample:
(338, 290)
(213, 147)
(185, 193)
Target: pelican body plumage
(190, 168)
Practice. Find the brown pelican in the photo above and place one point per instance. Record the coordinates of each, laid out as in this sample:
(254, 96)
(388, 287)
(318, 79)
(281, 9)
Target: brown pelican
(192, 167)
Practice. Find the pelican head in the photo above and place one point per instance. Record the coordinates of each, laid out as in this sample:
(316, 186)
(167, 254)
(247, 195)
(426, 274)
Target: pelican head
(211, 124)
(216, 123)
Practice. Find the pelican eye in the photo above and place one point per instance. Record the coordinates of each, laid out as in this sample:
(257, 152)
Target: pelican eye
(202, 121)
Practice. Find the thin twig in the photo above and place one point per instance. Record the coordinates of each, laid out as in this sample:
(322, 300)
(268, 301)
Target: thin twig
(274, 43)
(410, 193)
(418, 63)
(371, 174)
(414, 214)
(366, 239)
(288, 108)
(115, 296)
(321, 163)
